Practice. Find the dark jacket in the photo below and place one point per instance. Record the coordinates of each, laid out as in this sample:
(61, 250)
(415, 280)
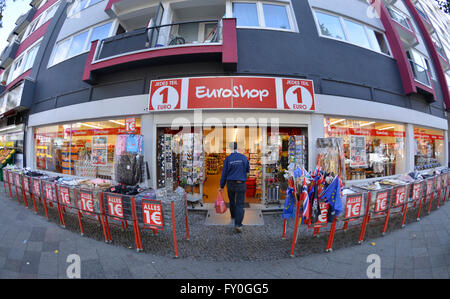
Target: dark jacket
(235, 168)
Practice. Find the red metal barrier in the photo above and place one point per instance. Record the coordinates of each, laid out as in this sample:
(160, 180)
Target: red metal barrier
(26, 182)
(35, 190)
(118, 207)
(416, 193)
(51, 196)
(432, 191)
(355, 208)
(376, 211)
(10, 181)
(5, 178)
(396, 204)
(85, 204)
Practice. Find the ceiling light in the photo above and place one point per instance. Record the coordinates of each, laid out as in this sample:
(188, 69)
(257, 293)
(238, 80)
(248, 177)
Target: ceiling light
(366, 124)
(117, 122)
(387, 128)
(337, 121)
(88, 125)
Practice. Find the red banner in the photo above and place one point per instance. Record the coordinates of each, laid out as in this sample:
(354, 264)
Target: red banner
(366, 132)
(232, 92)
(165, 94)
(298, 94)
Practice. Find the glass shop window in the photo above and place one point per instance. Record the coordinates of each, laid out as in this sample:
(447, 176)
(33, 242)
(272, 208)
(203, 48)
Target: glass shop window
(372, 149)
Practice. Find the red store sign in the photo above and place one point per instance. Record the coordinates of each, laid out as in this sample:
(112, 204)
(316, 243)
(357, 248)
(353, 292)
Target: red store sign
(232, 92)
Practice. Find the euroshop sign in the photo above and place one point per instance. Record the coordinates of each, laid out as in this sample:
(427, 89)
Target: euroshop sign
(232, 92)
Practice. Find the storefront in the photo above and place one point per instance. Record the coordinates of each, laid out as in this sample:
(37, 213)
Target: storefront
(429, 149)
(86, 149)
(193, 158)
(372, 149)
(280, 124)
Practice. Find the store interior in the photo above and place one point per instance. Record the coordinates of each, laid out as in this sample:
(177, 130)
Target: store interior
(371, 149)
(428, 148)
(85, 149)
(194, 158)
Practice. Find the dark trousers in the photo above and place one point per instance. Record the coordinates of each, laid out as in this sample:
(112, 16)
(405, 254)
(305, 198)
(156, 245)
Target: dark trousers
(236, 196)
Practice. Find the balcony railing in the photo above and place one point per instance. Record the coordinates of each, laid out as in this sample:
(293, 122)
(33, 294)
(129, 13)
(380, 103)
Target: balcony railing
(422, 14)
(195, 33)
(420, 73)
(399, 19)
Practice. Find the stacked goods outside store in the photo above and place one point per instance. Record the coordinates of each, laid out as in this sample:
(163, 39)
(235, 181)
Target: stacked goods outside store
(6, 157)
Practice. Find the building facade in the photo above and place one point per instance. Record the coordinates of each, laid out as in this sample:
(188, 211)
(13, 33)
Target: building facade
(193, 74)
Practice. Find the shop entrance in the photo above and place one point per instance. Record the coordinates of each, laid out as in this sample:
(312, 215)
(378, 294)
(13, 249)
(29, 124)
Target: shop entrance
(193, 159)
(216, 146)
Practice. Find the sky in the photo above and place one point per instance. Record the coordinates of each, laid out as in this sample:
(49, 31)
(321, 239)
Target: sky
(13, 10)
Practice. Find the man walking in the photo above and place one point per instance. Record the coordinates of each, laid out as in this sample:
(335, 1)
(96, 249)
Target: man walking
(234, 174)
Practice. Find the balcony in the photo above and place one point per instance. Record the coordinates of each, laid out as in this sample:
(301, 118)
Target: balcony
(170, 43)
(441, 53)
(8, 54)
(404, 29)
(424, 17)
(23, 21)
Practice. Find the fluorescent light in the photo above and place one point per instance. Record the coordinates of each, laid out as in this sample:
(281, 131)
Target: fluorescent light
(88, 125)
(117, 122)
(387, 128)
(337, 121)
(366, 124)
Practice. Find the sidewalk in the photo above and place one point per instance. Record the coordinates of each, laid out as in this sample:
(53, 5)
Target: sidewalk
(32, 247)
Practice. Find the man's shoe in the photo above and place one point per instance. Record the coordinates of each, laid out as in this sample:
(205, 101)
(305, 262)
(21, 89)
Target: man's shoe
(238, 229)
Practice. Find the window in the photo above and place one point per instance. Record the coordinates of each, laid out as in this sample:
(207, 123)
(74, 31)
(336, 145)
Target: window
(61, 51)
(71, 148)
(23, 63)
(377, 41)
(429, 150)
(356, 33)
(100, 32)
(330, 25)
(276, 16)
(200, 32)
(79, 43)
(246, 14)
(263, 15)
(344, 29)
(372, 149)
(79, 5)
(42, 19)
(30, 58)
(189, 32)
(16, 69)
(420, 67)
